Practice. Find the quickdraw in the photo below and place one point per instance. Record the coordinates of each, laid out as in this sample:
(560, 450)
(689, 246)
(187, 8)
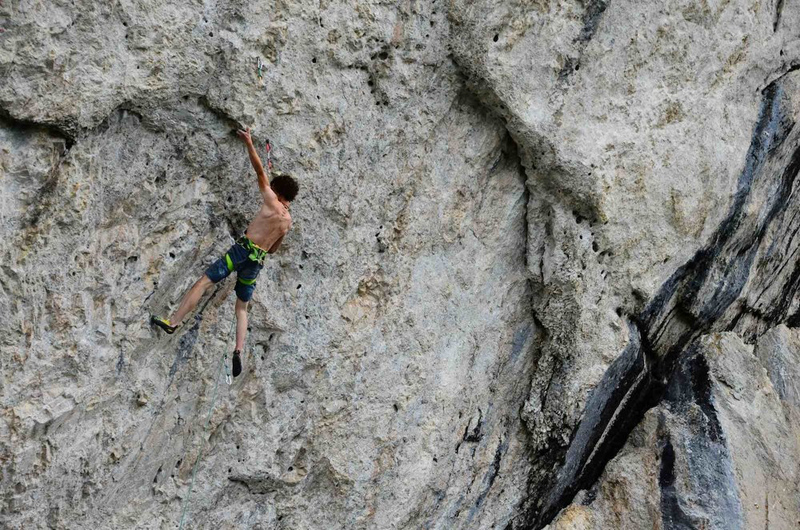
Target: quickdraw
(228, 378)
(259, 68)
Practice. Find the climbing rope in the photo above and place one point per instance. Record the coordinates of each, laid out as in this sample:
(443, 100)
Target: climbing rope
(223, 363)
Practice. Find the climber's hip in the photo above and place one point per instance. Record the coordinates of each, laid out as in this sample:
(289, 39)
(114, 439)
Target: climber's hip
(238, 258)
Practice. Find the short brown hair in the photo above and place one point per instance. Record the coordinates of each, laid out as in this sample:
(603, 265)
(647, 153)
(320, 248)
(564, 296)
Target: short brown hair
(285, 186)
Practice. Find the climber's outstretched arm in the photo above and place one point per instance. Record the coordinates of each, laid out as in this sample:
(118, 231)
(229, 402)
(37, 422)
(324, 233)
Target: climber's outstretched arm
(263, 181)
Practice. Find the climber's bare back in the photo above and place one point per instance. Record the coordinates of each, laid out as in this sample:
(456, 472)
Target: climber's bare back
(271, 223)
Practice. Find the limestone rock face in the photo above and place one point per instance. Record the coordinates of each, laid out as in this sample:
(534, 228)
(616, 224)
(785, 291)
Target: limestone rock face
(721, 450)
(543, 267)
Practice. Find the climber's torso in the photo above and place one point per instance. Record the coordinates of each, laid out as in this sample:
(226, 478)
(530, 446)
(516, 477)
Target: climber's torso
(270, 223)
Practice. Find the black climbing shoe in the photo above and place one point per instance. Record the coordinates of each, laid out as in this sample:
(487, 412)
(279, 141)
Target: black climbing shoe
(163, 323)
(237, 363)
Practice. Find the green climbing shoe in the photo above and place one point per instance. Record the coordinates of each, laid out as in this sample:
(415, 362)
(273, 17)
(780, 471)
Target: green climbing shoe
(163, 323)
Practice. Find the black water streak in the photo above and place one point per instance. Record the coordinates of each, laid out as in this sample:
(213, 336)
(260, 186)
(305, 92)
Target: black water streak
(592, 15)
(489, 478)
(591, 19)
(778, 13)
(672, 515)
(709, 489)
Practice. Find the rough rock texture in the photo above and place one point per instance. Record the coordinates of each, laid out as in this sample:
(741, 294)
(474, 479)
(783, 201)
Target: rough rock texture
(721, 450)
(532, 238)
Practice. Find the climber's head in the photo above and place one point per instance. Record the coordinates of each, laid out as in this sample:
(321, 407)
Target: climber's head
(284, 186)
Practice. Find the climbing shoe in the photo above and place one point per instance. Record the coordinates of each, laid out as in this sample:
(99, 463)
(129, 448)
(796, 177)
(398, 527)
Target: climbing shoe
(237, 363)
(163, 323)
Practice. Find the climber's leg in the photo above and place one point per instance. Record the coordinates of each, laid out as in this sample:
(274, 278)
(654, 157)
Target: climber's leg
(191, 299)
(241, 323)
(188, 303)
(241, 333)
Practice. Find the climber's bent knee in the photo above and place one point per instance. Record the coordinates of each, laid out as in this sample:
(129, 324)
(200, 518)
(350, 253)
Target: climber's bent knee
(244, 292)
(241, 305)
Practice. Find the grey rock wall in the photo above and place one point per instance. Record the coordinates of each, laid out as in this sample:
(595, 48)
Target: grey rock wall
(542, 271)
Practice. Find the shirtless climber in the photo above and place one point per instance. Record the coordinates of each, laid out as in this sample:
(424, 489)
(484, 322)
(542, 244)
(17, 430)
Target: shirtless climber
(246, 256)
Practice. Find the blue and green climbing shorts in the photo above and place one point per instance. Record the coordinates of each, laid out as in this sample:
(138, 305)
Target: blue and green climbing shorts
(237, 259)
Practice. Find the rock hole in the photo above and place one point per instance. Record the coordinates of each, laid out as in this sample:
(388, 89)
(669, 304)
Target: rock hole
(125, 24)
(291, 468)
(211, 34)
(262, 357)
(171, 254)
(618, 311)
(299, 285)
(578, 67)
(185, 98)
(314, 60)
(383, 55)
(307, 317)
(178, 463)
(396, 408)
(230, 470)
(270, 336)
(496, 36)
(594, 246)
